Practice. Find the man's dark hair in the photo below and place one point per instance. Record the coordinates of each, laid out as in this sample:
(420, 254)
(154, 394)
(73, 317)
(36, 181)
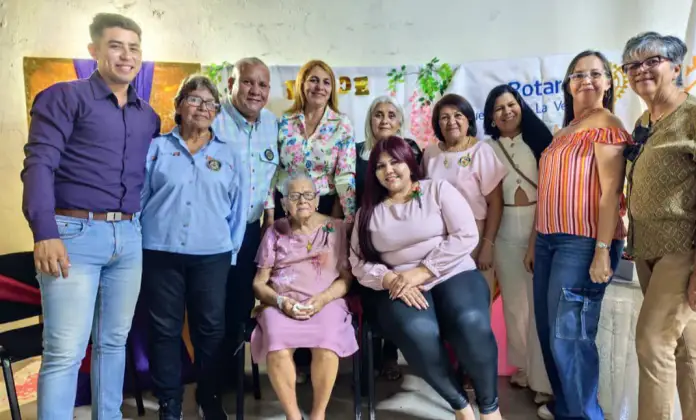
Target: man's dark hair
(103, 21)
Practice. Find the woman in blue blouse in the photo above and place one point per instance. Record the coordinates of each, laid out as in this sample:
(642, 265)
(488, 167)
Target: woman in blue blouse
(194, 201)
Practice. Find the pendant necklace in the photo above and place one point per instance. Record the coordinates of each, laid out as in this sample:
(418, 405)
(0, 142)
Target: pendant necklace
(456, 149)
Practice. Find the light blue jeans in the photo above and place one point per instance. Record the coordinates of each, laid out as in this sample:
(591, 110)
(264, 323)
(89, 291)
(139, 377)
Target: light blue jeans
(98, 297)
(567, 308)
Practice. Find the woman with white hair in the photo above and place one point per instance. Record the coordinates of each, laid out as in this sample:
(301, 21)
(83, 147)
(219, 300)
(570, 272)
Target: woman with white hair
(384, 119)
(303, 275)
(662, 224)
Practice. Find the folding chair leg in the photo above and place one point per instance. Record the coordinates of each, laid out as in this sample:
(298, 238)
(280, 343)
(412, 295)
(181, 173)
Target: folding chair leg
(10, 386)
(256, 380)
(357, 394)
(137, 390)
(241, 354)
(370, 374)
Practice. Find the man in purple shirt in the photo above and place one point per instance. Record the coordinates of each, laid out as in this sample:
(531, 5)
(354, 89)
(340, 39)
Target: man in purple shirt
(83, 174)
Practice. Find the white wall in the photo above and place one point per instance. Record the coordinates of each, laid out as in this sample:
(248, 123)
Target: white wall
(347, 33)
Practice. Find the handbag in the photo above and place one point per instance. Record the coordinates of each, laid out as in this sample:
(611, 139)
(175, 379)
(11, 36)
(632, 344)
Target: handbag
(515, 166)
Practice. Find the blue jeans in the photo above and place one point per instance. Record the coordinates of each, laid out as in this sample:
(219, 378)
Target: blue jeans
(98, 297)
(567, 306)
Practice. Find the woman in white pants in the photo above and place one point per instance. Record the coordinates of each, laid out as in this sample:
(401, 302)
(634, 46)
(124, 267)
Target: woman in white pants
(518, 138)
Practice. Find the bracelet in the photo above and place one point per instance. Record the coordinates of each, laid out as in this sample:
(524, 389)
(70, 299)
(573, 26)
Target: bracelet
(279, 301)
(486, 239)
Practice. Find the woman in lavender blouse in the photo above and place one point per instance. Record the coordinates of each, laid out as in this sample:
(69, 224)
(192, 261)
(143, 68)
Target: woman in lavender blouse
(413, 241)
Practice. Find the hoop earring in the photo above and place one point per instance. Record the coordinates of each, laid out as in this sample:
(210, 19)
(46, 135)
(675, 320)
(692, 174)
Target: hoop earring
(493, 124)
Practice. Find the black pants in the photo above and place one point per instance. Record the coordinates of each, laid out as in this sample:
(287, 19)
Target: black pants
(240, 296)
(385, 350)
(174, 283)
(458, 314)
(303, 357)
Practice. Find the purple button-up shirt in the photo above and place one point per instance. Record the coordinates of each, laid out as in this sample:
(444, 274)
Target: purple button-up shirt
(84, 152)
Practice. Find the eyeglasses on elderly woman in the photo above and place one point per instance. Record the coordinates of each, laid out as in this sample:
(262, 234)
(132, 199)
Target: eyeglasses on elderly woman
(634, 67)
(308, 196)
(197, 101)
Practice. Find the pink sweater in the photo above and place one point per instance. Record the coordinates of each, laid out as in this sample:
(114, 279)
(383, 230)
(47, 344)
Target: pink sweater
(440, 235)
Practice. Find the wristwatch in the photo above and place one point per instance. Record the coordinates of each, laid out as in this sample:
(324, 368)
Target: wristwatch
(602, 245)
(279, 301)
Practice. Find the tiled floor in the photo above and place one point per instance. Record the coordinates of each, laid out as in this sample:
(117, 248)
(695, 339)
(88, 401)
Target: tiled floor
(406, 400)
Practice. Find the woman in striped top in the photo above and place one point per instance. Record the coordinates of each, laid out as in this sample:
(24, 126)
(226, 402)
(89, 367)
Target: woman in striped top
(580, 235)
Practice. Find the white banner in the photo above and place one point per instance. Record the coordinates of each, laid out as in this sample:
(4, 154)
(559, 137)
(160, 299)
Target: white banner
(539, 82)
(690, 59)
(357, 88)
(537, 79)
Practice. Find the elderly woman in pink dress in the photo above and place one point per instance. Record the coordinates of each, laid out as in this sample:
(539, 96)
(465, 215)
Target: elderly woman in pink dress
(302, 276)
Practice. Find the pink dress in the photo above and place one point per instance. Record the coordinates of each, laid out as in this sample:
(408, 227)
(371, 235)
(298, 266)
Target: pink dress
(475, 172)
(300, 271)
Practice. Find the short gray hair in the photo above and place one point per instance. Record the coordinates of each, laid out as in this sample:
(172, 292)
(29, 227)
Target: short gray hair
(297, 176)
(667, 46)
(246, 61)
(384, 99)
(188, 85)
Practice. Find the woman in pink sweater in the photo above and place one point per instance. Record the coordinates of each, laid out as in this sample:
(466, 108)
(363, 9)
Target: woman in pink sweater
(413, 241)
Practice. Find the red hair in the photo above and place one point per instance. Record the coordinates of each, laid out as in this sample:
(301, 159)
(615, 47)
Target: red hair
(375, 193)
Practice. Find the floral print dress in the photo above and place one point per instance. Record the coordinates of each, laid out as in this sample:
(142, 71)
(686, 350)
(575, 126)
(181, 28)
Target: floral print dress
(327, 157)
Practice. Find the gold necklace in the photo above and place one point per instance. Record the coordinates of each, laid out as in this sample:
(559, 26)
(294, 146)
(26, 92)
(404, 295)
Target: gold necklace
(459, 148)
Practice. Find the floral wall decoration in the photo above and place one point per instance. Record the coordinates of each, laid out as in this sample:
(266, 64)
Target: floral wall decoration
(433, 79)
(217, 73)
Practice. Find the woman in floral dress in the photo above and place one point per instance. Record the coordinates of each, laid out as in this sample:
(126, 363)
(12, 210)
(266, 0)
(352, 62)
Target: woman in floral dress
(314, 138)
(303, 274)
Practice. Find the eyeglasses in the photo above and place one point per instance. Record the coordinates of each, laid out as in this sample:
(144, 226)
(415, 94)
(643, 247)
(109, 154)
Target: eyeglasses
(640, 135)
(634, 67)
(198, 101)
(308, 196)
(592, 74)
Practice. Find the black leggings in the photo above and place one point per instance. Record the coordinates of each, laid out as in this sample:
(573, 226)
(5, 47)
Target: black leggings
(459, 314)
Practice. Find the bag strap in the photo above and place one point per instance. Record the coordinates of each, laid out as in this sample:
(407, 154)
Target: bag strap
(515, 166)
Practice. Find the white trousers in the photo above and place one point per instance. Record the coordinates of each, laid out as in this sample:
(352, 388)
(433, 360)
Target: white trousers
(516, 289)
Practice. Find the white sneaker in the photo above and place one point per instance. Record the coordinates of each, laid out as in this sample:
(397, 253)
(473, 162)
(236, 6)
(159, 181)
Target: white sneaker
(544, 413)
(542, 398)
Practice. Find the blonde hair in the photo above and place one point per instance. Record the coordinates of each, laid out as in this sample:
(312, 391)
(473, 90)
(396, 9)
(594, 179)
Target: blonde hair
(370, 139)
(299, 96)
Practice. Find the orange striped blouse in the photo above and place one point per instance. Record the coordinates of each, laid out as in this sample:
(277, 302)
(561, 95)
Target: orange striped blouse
(569, 191)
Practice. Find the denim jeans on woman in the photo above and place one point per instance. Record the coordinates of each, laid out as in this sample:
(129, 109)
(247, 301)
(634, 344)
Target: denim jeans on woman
(459, 314)
(97, 298)
(567, 308)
